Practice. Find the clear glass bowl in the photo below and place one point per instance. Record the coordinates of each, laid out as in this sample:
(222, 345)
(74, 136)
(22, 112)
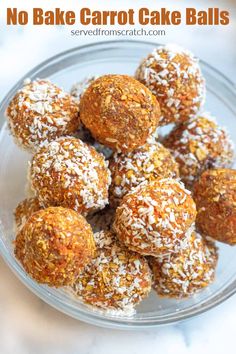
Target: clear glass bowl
(65, 69)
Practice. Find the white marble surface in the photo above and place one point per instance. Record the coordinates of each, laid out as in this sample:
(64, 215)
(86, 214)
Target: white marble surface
(29, 326)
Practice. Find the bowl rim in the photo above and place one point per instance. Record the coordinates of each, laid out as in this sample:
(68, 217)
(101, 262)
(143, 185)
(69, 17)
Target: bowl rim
(97, 44)
(42, 292)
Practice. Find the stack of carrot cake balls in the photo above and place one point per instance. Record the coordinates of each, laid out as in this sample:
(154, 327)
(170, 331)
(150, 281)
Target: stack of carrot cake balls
(110, 227)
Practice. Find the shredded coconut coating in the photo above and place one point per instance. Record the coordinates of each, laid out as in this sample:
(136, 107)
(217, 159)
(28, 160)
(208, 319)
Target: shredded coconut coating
(71, 174)
(154, 217)
(41, 112)
(25, 209)
(149, 162)
(180, 275)
(119, 111)
(215, 196)
(54, 246)
(198, 145)
(116, 278)
(174, 76)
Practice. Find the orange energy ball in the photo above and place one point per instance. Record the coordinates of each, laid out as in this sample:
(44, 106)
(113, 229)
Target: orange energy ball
(25, 209)
(215, 196)
(180, 275)
(41, 112)
(54, 246)
(198, 145)
(154, 217)
(174, 77)
(116, 279)
(147, 163)
(119, 111)
(69, 173)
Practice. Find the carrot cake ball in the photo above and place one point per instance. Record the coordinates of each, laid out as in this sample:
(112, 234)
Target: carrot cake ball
(215, 196)
(119, 111)
(116, 279)
(146, 163)
(198, 145)
(41, 112)
(54, 246)
(182, 274)
(69, 173)
(174, 77)
(154, 217)
(25, 209)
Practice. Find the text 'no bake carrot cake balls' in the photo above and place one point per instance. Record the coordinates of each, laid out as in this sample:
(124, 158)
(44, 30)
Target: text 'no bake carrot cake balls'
(41, 112)
(146, 163)
(54, 246)
(173, 75)
(69, 173)
(215, 196)
(198, 145)
(154, 217)
(116, 279)
(182, 274)
(119, 111)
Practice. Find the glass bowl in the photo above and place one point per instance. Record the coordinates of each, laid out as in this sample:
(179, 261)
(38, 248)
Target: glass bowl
(65, 69)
